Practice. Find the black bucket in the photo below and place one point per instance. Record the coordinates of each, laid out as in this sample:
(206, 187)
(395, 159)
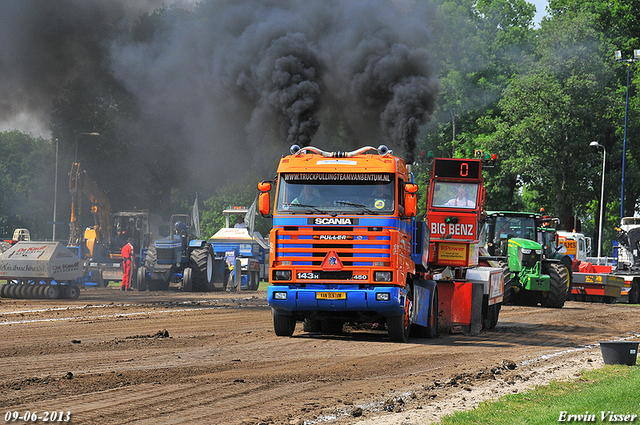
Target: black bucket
(619, 352)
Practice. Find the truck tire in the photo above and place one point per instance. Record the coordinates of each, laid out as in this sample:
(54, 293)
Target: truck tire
(72, 292)
(255, 281)
(52, 292)
(399, 327)
(634, 293)
(283, 325)
(187, 280)
(559, 288)
(507, 285)
(141, 278)
(491, 320)
(201, 263)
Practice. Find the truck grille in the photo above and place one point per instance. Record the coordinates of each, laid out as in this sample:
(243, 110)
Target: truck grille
(166, 254)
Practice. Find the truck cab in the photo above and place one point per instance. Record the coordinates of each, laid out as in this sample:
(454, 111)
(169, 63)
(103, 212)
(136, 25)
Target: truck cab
(341, 245)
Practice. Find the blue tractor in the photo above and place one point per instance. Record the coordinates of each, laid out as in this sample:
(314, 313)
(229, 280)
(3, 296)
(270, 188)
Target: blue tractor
(180, 261)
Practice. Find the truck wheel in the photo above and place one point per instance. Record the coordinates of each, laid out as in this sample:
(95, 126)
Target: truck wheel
(201, 262)
(52, 292)
(255, 281)
(283, 325)
(634, 293)
(491, 320)
(399, 327)
(187, 280)
(559, 288)
(507, 286)
(72, 292)
(141, 278)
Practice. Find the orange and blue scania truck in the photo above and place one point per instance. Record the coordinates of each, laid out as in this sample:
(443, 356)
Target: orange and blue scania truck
(346, 246)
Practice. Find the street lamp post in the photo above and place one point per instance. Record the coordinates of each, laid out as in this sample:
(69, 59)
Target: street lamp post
(55, 195)
(604, 158)
(75, 157)
(618, 56)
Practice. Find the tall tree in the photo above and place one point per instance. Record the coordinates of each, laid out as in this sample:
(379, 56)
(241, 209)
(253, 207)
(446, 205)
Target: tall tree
(26, 183)
(549, 115)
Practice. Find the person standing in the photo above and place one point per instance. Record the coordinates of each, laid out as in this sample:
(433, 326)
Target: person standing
(127, 258)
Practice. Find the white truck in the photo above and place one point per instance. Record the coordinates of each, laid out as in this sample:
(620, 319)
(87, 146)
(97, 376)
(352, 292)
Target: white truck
(626, 254)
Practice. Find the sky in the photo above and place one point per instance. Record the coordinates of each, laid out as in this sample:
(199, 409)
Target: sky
(540, 9)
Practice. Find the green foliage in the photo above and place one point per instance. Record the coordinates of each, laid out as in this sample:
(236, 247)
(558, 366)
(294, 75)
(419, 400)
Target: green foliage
(26, 183)
(240, 193)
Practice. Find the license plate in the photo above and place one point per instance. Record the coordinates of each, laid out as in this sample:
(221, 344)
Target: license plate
(331, 295)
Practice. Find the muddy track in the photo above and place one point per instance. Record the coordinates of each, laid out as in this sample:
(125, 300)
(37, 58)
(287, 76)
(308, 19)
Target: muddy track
(164, 357)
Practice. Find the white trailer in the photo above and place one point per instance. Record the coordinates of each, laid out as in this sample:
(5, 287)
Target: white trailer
(35, 269)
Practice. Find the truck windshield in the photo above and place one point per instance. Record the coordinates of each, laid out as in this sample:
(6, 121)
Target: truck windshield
(340, 193)
(454, 195)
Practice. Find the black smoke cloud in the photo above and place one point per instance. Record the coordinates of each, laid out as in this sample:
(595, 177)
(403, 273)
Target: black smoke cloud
(238, 77)
(272, 70)
(44, 45)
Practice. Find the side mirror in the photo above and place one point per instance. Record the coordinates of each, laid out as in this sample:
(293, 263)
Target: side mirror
(410, 204)
(411, 188)
(264, 203)
(561, 249)
(264, 186)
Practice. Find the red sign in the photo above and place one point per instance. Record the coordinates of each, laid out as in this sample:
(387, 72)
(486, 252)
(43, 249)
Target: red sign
(332, 262)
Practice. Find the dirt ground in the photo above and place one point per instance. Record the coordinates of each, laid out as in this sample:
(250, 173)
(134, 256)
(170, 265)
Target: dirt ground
(113, 357)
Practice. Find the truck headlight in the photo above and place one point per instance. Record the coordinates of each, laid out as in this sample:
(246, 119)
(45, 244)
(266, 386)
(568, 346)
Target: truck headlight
(526, 251)
(282, 275)
(280, 296)
(382, 276)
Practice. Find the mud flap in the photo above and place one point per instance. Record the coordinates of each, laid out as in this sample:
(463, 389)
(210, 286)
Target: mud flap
(422, 298)
(460, 306)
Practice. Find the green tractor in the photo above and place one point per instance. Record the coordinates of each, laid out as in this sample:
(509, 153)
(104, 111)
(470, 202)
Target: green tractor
(523, 244)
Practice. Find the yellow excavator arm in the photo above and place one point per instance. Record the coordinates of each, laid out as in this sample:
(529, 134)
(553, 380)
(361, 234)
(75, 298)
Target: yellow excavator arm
(81, 184)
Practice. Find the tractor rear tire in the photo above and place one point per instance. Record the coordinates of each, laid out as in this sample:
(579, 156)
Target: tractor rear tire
(283, 325)
(201, 262)
(559, 287)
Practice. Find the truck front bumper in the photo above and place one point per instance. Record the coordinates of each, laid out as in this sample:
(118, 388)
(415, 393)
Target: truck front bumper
(384, 300)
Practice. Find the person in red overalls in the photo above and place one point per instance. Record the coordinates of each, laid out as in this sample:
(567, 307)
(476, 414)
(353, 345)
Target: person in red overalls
(127, 258)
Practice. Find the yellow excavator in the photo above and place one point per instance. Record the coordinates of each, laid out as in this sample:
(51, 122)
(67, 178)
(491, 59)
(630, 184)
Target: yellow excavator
(99, 246)
(100, 233)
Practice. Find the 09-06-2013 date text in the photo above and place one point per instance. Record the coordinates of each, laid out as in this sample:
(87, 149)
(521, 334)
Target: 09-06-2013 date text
(52, 416)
